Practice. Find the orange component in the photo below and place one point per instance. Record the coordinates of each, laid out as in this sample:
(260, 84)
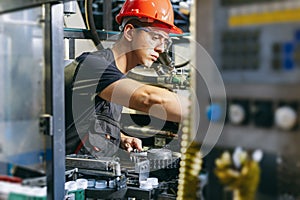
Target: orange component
(11, 179)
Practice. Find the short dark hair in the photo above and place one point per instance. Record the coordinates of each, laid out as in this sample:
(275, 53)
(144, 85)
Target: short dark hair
(136, 23)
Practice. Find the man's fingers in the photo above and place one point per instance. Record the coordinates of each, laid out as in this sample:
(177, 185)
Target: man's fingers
(128, 147)
(138, 144)
(132, 143)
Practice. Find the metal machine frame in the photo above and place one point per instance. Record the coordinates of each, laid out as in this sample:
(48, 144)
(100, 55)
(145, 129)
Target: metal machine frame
(54, 92)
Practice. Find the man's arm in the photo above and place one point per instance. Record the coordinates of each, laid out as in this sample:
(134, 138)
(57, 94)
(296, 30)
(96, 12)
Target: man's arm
(156, 101)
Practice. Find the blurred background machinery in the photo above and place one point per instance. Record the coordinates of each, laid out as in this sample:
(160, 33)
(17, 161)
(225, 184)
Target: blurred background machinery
(255, 46)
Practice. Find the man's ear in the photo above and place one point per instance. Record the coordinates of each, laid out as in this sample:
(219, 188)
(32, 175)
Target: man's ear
(128, 32)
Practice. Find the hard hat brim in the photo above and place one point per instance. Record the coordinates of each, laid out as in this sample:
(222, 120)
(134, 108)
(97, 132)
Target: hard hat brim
(176, 30)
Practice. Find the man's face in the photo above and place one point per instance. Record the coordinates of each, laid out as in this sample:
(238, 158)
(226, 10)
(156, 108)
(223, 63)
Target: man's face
(149, 43)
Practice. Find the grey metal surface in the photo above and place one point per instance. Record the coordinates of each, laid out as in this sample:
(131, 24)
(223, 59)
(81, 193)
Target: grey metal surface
(207, 80)
(21, 88)
(92, 193)
(159, 154)
(54, 63)
(142, 167)
(76, 33)
(70, 7)
(13, 5)
(262, 91)
(203, 11)
(105, 164)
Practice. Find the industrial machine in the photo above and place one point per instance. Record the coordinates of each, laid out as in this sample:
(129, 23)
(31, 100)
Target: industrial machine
(151, 174)
(255, 45)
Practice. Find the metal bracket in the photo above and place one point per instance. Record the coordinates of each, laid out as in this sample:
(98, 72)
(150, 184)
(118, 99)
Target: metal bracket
(46, 124)
(159, 141)
(143, 169)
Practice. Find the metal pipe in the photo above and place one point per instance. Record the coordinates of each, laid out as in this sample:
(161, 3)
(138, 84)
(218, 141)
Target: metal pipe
(148, 131)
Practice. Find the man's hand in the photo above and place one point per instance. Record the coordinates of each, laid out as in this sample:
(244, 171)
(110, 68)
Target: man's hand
(130, 143)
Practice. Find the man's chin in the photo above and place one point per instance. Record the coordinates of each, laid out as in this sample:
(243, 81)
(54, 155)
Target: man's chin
(148, 64)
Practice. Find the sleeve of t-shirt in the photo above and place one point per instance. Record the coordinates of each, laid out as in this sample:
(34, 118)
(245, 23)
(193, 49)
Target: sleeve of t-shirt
(95, 74)
(110, 75)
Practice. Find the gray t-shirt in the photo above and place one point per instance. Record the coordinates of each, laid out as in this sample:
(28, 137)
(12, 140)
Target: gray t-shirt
(90, 118)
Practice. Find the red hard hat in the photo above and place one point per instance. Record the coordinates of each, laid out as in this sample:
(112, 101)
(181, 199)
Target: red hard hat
(159, 10)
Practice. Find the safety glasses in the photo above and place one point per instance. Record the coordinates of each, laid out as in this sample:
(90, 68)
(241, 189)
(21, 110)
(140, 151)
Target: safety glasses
(156, 38)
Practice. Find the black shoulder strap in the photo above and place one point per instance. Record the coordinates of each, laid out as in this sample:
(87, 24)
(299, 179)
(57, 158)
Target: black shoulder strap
(70, 70)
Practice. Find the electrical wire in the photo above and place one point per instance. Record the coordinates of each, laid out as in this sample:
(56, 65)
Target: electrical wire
(90, 23)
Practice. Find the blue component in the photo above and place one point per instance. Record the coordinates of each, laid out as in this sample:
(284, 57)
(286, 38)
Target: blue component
(288, 48)
(10, 169)
(297, 35)
(49, 154)
(288, 64)
(214, 112)
(26, 158)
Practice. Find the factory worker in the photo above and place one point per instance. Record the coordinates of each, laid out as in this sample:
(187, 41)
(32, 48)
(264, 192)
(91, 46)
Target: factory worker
(99, 88)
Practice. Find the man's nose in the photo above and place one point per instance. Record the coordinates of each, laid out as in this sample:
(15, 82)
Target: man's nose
(160, 48)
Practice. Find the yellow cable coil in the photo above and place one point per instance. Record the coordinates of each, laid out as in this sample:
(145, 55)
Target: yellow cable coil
(190, 166)
(191, 159)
